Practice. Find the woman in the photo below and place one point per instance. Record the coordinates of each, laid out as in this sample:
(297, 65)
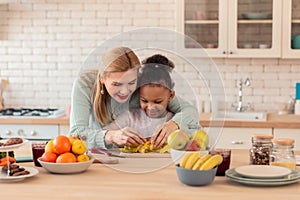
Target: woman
(98, 97)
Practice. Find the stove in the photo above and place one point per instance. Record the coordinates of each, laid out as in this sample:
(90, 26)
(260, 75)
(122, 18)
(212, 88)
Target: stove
(32, 112)
(30, 131)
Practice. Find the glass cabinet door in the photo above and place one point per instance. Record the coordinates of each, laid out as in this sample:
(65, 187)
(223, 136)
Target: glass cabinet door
(205, 22)
(254, 28)
(291, 27)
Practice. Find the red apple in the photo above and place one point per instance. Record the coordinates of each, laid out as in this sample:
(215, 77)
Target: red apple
(193, 145)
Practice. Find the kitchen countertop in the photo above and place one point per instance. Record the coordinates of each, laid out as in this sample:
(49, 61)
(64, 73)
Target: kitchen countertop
(36, 120)
(273, 121)
(103, 182)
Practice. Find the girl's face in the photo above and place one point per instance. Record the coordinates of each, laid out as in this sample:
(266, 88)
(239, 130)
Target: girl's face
(120, 85)
(154, 100)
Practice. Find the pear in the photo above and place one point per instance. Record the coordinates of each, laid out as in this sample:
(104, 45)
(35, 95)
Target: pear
(201, 137)
(178, 139)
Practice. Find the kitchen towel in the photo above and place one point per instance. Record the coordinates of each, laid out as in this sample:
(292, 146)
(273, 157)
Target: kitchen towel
(297, 91)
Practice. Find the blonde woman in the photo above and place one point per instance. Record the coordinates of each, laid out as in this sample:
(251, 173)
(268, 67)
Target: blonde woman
(99, 97)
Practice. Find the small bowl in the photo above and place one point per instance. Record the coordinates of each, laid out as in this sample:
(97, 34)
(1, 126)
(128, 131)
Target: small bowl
(66, 168)
(196, 177)
(177, 155)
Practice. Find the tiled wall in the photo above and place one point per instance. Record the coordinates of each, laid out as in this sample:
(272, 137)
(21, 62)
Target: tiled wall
(43, 44)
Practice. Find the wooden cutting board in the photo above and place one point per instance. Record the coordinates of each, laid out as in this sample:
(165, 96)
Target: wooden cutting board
(145, 155)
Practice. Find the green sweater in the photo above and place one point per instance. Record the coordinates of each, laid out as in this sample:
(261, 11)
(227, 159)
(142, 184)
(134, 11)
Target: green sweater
(84, 123)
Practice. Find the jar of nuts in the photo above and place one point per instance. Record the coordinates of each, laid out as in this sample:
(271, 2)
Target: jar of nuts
(261, 149)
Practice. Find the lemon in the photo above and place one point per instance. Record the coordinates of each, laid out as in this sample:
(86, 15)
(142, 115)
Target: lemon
(83, 158)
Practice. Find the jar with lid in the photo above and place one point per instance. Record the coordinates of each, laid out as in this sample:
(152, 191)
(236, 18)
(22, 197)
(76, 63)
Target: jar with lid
(283, 153)
(261, 149)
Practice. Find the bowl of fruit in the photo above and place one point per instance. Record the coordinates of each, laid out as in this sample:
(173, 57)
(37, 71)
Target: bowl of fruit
(65, 155)
(181, 143)
(195, 169)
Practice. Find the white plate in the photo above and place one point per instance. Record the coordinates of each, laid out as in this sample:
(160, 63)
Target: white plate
(12, 147)
(5, 178)
(231, 173)
(262, 171)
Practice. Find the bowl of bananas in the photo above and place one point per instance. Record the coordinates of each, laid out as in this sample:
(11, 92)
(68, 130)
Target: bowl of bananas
(197, 169)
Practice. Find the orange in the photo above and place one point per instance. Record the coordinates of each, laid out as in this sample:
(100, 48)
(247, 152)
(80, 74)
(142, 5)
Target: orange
(66, 158)
(62, 144)
(49, 157)
(83, 158)
(49, 146)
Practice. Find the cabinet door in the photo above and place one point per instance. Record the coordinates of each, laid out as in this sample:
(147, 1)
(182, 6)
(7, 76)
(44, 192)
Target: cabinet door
(204, 24)
(254, 28)
(64, 130)
(237, 138)
(289, 133)
(291, 27)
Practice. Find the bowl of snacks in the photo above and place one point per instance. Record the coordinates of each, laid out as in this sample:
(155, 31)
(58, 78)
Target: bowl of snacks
(195, 170)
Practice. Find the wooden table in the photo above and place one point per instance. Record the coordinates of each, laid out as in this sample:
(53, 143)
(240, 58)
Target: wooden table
(103, 182)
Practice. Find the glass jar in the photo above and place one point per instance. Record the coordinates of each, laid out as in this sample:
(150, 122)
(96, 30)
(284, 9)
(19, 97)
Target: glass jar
(261, 149)
(283, 153)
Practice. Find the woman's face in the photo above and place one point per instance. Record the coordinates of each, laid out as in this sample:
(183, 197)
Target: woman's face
(154, 100)
(120, 85)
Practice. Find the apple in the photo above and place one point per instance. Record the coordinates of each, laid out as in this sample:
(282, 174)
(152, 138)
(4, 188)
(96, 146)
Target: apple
(193, 145)
(201, 137)
(178, 139)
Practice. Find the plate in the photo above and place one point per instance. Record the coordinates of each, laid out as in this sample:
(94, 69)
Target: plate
(262, 171)
(5, 178)
(12, 147)
(257, 15)
(292, 178)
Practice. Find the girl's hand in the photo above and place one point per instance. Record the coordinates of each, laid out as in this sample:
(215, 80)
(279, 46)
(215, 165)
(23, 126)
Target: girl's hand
(159, 138)
(124, 137)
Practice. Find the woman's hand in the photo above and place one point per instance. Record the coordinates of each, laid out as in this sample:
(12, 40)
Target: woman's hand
(124, 137)
(161, 134)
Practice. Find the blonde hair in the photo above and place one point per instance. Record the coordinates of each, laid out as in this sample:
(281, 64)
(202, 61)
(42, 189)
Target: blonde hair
(119, 59)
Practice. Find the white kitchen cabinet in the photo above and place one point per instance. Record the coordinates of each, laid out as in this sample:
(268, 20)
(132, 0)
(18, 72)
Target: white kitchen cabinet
(291, 27)
(64, 129)
(221, 27)
(235, 138)
(289, 133)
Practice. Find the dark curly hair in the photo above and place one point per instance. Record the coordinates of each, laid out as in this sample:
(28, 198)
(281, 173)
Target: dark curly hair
(156, 71)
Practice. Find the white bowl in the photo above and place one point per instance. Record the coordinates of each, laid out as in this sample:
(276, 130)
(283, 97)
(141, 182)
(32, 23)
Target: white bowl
(177, 155)
(66, 168)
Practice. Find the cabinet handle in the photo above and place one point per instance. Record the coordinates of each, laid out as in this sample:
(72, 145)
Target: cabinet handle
(237, 142)
(224, 52)
(230, 52)
(21, 132)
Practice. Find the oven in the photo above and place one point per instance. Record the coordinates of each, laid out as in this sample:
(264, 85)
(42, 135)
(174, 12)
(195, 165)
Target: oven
(29, 131)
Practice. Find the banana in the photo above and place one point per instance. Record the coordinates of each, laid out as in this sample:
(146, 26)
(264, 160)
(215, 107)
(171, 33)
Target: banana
(200, 162)
(192, 160)
(212, 162)
(184, 160)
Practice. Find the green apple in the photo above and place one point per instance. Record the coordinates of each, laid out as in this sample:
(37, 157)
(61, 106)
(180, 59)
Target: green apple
(201, 137)
(178, 139)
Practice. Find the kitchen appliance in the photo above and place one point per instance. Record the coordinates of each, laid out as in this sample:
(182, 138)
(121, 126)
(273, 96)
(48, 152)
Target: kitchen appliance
(41, 131)
(32, 112)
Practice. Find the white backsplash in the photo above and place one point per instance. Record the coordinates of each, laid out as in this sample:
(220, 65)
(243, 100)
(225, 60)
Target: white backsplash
(43, 44)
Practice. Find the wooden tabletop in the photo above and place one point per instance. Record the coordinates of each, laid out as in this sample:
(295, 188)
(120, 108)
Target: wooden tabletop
(111, 182)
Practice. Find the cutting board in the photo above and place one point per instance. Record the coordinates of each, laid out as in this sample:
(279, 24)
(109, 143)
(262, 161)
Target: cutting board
(145, 155)
(104, 159)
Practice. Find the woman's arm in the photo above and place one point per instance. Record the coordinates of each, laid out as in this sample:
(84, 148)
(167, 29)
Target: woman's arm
(82, 120)
(185, 114)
